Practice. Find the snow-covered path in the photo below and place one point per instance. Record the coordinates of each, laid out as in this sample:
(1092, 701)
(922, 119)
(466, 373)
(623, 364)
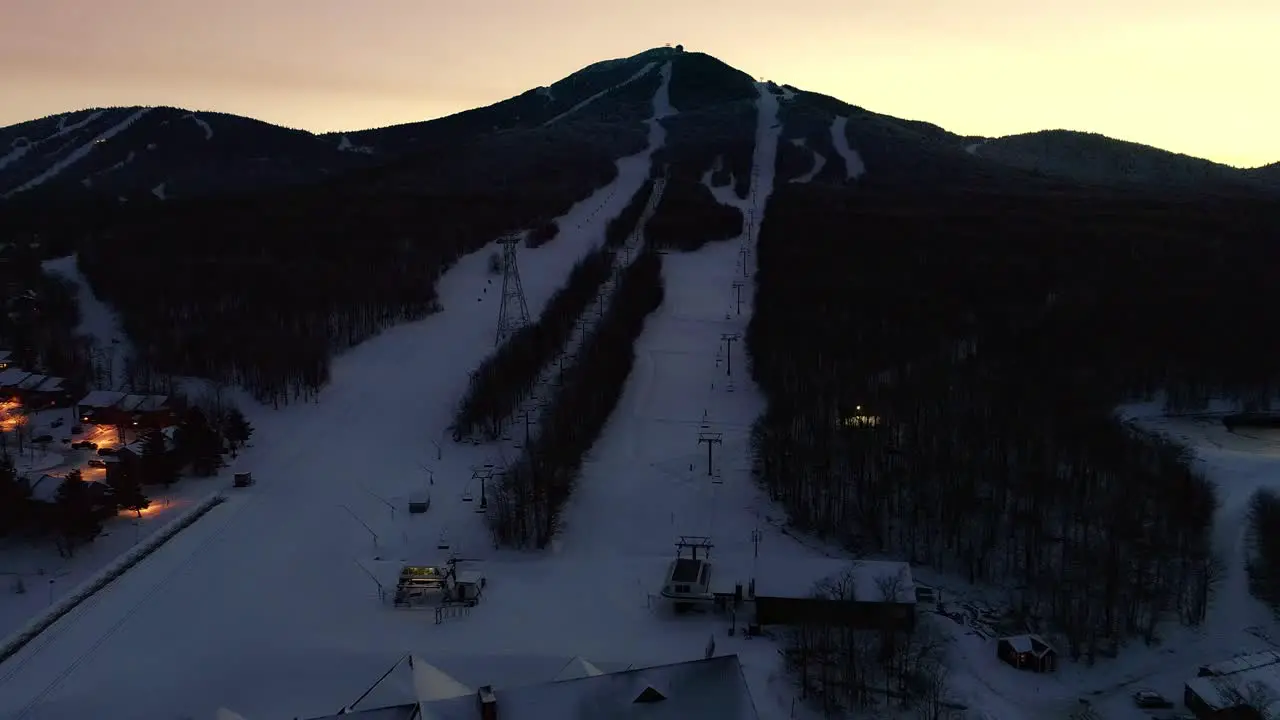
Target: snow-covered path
(97, 320)
(283, 569)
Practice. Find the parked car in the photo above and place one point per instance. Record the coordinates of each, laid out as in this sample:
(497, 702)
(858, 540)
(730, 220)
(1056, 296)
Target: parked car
(97, 462)
(1151, 700)
(106, 451)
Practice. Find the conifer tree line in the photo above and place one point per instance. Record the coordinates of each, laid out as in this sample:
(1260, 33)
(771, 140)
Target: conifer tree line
(621, 227)
(534, 488)
(942, 369)
(840, 669)
(262, 290)
(689, 216)
(39, 317)
(1263, 562)
(76, 516)
(511, 373)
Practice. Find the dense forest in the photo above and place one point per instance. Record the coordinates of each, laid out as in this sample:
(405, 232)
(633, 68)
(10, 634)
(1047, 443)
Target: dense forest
(40, 317)
(262, 290)
(948, 396)
(1264, 548)
(511, 373)
(842, 669)
(689, 217)
(534, 488)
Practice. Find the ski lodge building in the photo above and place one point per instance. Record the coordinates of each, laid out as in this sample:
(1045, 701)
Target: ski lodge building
(413, 689)
(109, 407)
(32, 389)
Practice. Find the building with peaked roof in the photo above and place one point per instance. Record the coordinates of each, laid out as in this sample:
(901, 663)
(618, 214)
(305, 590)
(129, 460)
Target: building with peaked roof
(578, 667)
(710, 689)
(1027, 652)
(110, 407)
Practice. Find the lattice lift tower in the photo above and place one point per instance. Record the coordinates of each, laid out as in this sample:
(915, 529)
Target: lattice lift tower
(513, 313)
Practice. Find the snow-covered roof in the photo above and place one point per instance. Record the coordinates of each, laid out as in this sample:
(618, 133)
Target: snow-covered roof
(129, 403)
(1241, 663)
(152, 403)
(1028, 644)
(411, 680)
(578, 667)
(782, 576)
(712, 688)
(101, 399)
(51, 384)
(32, 381)
(45, 489)
(13, 377)
(1261, 684)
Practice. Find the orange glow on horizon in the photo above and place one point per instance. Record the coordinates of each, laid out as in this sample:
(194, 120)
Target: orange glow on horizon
(1187, 77)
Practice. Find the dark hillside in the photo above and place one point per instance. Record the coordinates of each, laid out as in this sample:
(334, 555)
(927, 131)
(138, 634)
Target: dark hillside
(989, 335)
(531, 109)
(262, 289)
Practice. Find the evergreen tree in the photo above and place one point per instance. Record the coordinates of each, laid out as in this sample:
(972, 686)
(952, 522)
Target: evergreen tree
(236, 429)
(157, 462)
(76, 518)
(126, 489)
(14, 496)
(198, 443)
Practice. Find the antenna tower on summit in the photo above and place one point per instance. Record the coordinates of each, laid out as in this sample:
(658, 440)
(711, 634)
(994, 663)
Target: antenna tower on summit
(513, 313)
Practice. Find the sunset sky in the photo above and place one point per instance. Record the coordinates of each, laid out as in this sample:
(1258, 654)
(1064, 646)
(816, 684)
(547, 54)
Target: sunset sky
(1193, 77)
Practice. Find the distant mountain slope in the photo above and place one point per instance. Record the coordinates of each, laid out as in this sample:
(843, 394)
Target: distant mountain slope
(1267, 173)
(139, 153)
(891, 151)
(591, 94)
(1099, 160)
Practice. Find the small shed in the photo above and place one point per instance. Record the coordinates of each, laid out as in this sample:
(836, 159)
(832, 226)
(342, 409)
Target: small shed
(1027, 652)
(5, 357)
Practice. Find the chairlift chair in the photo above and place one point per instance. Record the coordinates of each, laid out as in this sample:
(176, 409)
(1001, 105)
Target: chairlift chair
(466, 496)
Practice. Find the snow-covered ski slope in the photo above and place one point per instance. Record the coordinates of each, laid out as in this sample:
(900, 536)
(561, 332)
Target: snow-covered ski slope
(79, 153)
(271, 592)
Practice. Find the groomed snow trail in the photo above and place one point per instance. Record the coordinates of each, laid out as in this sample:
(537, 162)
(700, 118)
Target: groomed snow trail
(853, 166)
(79, 153)
(97, 321)
(221, 614)
(643, 71)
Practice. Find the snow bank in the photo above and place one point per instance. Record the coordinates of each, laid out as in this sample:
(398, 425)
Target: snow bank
(42, 622)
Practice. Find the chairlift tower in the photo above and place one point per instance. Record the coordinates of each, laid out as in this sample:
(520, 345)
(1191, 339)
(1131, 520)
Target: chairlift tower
(513, 313)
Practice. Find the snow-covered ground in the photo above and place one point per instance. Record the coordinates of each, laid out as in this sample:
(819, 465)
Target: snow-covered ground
(641, 73)
(840, 138)
(269, 605)
(1239, 463)
(227, 612)
(97, 321)
(79, 153)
